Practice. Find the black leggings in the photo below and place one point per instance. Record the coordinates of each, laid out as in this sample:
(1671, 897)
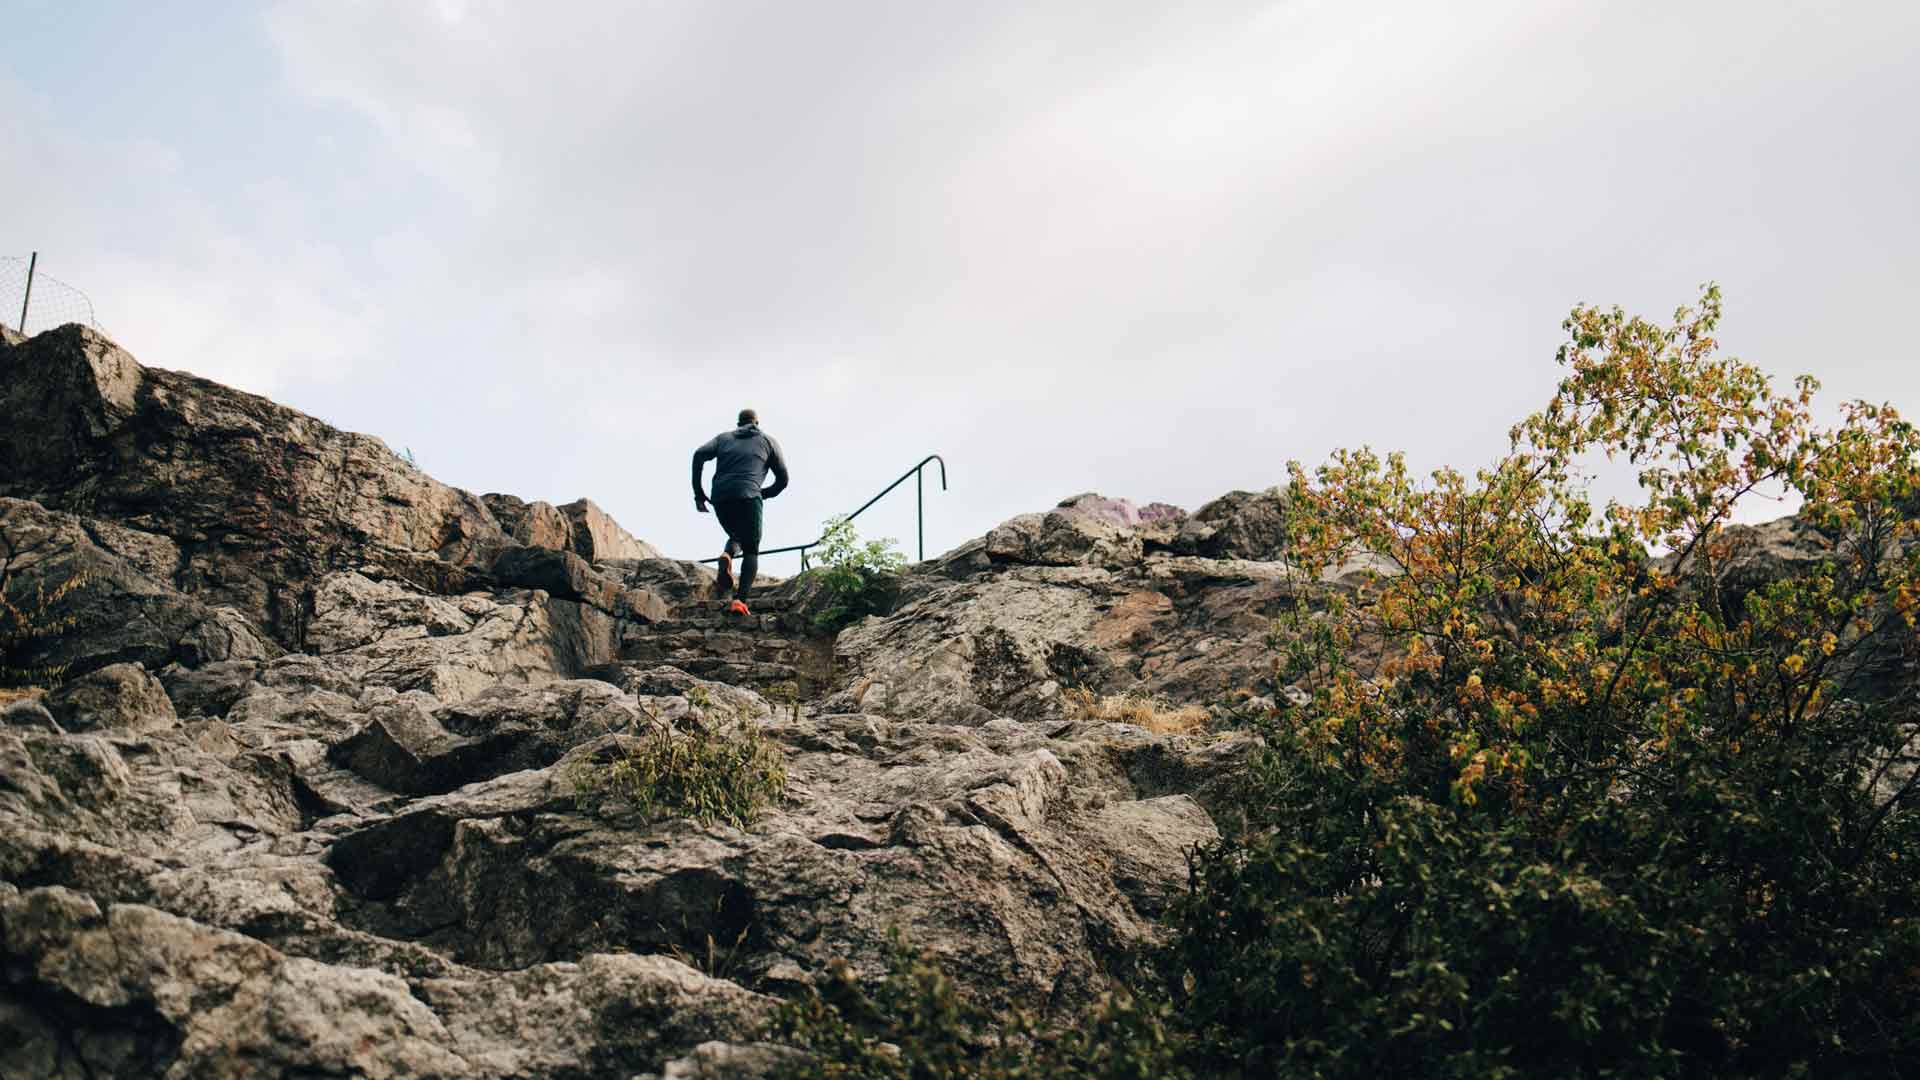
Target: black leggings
(741, 519)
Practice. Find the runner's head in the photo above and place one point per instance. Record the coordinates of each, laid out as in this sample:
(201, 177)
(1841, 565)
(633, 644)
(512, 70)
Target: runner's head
(748, 416)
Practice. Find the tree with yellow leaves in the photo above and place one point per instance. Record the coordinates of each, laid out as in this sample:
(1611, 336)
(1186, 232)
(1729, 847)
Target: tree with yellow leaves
(1605, 798)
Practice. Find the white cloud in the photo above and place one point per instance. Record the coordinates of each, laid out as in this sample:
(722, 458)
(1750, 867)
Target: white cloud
(1146, 248)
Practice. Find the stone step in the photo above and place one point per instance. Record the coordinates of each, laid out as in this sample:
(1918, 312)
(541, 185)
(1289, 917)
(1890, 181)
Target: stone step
(670, 651)
(772, 604)
(713, 624)
(756, 674)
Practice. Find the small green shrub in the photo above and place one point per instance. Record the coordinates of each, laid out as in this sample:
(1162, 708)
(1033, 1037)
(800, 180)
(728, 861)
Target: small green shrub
(915, 1026)
(729, 774)
(854, 578)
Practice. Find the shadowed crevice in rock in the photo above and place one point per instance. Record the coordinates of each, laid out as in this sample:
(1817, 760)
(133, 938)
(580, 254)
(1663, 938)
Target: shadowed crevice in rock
(54, 1034)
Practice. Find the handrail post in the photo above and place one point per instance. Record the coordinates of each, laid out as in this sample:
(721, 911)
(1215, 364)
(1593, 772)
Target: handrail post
(32, 261)
(920, 506)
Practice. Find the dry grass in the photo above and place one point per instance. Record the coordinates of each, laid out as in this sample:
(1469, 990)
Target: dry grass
(11, 694)
(1150, 713)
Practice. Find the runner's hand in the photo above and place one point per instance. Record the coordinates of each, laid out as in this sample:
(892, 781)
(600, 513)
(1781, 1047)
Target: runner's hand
(700, 504)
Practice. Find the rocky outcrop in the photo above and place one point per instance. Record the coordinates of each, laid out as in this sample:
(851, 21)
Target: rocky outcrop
(579, 526)
(118, 697)
(533, 524)
(129, 990)
(1092, 596)
(243, 503)
(91, 594)
(256, 498)
(1237, 525)
(308, 800)
(597, 537)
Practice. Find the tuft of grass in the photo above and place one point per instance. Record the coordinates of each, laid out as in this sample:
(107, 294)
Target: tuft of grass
(11, 694)
(1151, 713)
(709, 773)
(32, 615)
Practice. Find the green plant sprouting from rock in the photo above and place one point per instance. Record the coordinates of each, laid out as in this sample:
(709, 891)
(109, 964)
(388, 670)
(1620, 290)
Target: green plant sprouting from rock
(854, 576)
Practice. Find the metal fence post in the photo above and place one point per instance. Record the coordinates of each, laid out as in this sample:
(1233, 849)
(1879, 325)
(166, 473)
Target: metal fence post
(32, 261)
(920, 506)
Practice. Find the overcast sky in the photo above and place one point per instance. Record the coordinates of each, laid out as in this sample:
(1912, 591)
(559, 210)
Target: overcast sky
(1153, 250)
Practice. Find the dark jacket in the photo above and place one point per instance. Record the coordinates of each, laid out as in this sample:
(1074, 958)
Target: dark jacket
(742, 460)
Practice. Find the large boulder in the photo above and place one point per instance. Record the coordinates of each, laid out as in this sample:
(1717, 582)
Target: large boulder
(1237, 525)
(567, 576)
(579, 526)
(387, 634)
(1063, 538)
(597, 537)
(81, 606)
(534, 524)
(1094, 597)
(973, 841)
(130, 991)
(258, 499)
(118, 697)
(408, 749)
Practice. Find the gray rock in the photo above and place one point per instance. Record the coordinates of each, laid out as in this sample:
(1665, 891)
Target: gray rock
(566, 576)
(728, 1061)
(601, 1016)
(406, 749)
(153, 993)
(597, 537)
(256, 499)
(1067, 537)
(1237, 525)
(92, 608)
(351, 611)
(118, 697)
(534, 524)
(28, 713)
(211, 689)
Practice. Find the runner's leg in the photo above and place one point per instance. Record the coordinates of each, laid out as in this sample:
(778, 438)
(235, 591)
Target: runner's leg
(741, 518)
(750, 547)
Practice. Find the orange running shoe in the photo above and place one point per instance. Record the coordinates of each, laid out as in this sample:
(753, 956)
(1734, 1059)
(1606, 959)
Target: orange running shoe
(724, 583)
(739, 607)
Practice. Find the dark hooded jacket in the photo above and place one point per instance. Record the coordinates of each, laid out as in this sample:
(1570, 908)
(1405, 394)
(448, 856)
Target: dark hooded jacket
(742, 458)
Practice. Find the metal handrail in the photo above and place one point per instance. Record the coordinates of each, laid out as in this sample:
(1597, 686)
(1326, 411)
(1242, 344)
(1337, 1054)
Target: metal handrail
(919, 507)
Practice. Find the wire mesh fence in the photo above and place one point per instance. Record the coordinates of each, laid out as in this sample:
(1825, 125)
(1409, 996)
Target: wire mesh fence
(50, 303)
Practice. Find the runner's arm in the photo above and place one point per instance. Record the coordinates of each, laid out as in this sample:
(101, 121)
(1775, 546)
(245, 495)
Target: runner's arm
(777, 462)
(701, 456)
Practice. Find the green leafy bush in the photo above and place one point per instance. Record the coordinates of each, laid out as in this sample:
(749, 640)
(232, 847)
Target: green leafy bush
(709, 773)
(855, 578)
(1588, 811)
(914, 1026)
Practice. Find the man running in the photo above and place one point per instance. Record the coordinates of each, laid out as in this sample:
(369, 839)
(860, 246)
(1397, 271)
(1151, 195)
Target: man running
(742, 459)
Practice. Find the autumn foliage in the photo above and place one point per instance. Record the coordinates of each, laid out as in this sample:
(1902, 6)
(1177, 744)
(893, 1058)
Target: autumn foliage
(1602, 799)
(1569, 790)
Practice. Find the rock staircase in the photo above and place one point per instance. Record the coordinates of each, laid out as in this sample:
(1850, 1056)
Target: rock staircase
(761, 650)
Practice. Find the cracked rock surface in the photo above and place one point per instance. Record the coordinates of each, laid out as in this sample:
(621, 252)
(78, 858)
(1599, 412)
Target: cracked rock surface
(303, 803)
(303, 800)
